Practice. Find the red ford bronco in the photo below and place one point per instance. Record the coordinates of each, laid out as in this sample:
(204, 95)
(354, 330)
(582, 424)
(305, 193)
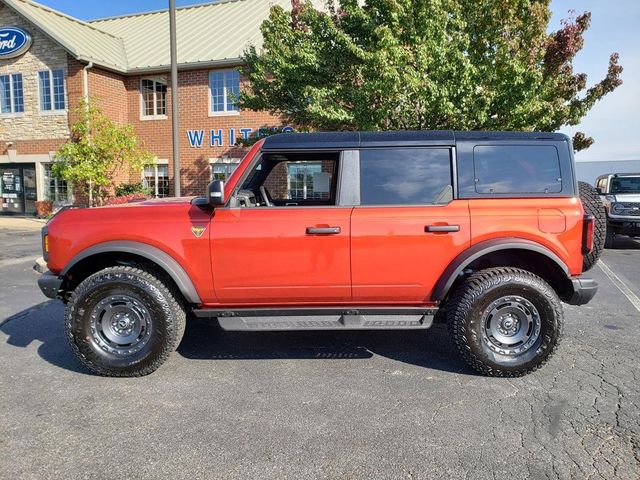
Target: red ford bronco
(487, 232)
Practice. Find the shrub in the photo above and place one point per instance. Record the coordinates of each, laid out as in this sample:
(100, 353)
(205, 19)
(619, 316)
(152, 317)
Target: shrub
(131, 188)
(134, 197)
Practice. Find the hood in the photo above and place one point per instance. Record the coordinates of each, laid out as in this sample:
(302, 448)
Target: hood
(154, 202)
(627, 197)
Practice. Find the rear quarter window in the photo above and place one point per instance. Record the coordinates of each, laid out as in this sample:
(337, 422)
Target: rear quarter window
(516, 169)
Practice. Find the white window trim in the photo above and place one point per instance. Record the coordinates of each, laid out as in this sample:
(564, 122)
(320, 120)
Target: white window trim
(53, 110)
(222, 161)
(225, 112)
(12, 113)
(155, 116)
(45, 187)
(157, 161)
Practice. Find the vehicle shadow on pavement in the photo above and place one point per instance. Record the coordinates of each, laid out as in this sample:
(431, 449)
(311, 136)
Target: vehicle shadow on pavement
(622, 242)
(42, 323)
(205, 340)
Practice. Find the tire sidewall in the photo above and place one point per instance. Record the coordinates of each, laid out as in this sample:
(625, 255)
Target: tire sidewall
(550, 325)
(100, 286)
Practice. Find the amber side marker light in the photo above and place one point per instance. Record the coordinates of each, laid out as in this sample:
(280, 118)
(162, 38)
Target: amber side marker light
(45, 243)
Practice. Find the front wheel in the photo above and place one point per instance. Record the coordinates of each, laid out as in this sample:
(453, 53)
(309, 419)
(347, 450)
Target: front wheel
(124, 322)
(610, 237)
(505, 322)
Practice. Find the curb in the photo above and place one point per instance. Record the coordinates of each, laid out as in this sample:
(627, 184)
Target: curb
(40, 265)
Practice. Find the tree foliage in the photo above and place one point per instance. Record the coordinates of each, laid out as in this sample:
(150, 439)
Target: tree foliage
(423, 64)
(97, 150)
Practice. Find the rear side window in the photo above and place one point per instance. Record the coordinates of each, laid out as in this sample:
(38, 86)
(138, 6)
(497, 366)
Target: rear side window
(517, 169)
(407, 176)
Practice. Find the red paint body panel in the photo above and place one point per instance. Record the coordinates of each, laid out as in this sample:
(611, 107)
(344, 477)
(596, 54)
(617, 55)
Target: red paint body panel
(393, 259)
(165, 224)
(519, 218)
(264, 255)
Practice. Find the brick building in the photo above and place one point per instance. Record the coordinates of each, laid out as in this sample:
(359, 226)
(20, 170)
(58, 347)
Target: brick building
(124, 62)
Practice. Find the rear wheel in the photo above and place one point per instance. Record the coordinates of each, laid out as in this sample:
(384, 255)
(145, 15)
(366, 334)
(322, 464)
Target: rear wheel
(505, 322)
(593, 206)
(124, 322)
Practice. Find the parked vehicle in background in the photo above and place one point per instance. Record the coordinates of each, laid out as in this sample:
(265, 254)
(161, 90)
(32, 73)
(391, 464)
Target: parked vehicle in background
(485, 231)
(620, 193)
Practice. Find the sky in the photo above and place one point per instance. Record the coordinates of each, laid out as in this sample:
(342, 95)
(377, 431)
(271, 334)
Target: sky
(614, 122)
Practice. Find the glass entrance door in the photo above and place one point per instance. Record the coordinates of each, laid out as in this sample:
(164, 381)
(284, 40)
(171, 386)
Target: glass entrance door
(18, 188)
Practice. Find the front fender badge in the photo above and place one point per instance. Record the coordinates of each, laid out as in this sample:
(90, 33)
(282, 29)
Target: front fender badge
(198, 231)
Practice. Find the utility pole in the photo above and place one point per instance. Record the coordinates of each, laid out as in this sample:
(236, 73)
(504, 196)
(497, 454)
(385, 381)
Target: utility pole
(174, 98)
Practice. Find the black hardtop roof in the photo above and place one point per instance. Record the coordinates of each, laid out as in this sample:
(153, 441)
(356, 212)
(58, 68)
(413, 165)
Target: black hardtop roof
(288, 141)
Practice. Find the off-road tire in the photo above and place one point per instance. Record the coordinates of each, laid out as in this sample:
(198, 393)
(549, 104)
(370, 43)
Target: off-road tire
(593, 206)
(467, 307)
(609, 238)
(165, 315)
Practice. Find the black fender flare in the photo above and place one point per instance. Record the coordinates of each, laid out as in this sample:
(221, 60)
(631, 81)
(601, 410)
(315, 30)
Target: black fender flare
(165, 261)
(457, 266)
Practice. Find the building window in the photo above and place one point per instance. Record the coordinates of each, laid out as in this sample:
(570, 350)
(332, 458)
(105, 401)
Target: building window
(156, 179)
(222, 168)
(224, 87)
(56, 189)
(154, 97)
(11, 94)
(301, 179)
(51, 83)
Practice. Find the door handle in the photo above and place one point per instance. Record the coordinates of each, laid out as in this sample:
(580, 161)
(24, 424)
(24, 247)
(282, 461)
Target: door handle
(323, 230)
(442, 228)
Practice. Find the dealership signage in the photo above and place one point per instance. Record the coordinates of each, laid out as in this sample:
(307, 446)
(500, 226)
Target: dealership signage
(218, 137)
(14, 42)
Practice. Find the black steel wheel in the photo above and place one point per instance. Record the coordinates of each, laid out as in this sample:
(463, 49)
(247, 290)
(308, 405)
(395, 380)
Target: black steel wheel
(505, 322)
(124, 321)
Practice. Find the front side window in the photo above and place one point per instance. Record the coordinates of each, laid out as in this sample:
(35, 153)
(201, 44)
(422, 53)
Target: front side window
(156, 179)
(11, 93)
(154, 97)
(51, 86)
(56, 189)
(224, 87)
(293, 179)
(405, 176)
(514, 169)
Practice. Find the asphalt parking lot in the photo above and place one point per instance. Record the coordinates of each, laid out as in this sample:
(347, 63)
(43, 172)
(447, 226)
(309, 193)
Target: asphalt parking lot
(345, 405)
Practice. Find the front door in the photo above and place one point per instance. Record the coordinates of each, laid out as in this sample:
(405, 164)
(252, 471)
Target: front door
(408, 226)
(283, 239)
(18, 188)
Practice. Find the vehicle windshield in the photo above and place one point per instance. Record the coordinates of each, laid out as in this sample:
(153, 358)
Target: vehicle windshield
(625, 185)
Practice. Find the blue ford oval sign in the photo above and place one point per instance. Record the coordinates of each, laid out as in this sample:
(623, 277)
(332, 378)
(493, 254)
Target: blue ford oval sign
(13, 42)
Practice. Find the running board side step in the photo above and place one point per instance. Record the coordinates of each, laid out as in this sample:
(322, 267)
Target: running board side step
(365, 318)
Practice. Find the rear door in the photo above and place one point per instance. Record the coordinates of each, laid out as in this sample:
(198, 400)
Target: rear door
(408, 225)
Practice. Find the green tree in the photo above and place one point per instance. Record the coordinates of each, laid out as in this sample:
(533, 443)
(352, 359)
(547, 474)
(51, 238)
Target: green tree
(423, 64)
(97, 150)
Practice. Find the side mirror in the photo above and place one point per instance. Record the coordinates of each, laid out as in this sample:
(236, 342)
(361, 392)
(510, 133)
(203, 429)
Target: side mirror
(599, 190)
(215, 193)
